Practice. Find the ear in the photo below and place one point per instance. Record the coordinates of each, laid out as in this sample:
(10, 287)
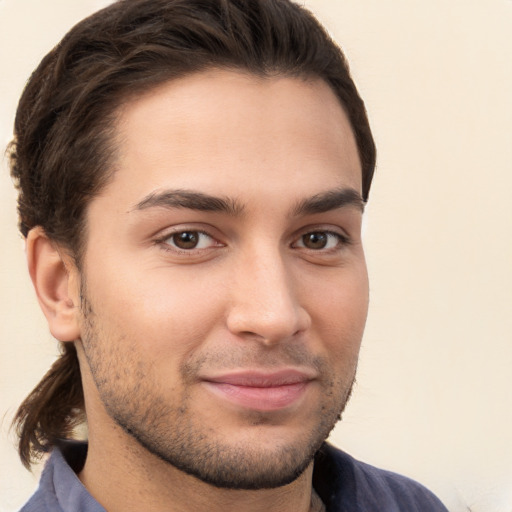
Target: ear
(56, 282)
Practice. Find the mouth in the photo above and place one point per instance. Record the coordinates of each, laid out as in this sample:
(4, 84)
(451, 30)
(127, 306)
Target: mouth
(261, 391)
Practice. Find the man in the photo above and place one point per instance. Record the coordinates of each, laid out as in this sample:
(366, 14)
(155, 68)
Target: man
(192, 176)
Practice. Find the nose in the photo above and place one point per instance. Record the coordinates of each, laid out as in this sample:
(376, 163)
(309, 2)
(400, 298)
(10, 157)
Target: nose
(265, 302)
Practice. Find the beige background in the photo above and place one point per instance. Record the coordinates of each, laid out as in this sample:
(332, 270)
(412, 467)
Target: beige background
(434, 393)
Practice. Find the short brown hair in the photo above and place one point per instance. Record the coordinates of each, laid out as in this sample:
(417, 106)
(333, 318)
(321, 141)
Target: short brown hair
(62, 152)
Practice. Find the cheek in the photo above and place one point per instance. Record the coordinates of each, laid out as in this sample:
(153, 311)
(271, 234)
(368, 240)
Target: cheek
(160, 311)
(338, 310)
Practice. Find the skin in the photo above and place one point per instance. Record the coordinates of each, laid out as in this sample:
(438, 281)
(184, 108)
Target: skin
(270, 286)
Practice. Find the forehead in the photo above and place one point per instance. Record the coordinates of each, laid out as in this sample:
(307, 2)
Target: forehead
(222, 130)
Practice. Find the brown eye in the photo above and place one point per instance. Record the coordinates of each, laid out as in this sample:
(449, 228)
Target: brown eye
(186, 239)
(322, 241)
(190, 241)
(317, 240)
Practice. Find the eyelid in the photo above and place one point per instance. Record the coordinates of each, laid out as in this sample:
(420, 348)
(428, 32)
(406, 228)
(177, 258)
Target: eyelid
(162, 240)
(336, 231)
(341, 241)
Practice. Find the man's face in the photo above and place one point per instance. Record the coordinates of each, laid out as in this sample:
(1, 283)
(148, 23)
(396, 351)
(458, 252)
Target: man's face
(224, 282)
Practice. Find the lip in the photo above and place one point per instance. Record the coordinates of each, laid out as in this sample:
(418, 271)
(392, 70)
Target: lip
(261, 391)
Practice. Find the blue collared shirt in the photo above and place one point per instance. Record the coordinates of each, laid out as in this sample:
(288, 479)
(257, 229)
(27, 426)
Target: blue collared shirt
(60, 489)
(343, 483)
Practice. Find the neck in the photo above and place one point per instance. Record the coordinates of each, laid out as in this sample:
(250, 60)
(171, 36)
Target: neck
(123, 476)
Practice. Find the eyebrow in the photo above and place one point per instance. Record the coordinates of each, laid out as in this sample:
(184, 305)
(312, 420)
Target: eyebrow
(330, 200)
(191, 200)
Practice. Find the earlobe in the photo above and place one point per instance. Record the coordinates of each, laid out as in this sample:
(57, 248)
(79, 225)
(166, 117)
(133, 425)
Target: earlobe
(55, 279)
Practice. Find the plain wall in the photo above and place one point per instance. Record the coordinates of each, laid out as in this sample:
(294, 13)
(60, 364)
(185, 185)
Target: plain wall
(434, 392)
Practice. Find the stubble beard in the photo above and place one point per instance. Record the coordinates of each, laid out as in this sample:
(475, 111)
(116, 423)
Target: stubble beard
(175, 435)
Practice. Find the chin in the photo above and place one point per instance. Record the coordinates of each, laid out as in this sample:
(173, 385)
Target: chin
(242, 466)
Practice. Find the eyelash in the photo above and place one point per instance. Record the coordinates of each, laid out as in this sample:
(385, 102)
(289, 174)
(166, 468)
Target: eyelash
(163, 242)
(342, 241)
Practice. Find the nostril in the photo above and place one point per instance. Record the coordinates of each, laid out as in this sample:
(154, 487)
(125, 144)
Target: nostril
(268, 327)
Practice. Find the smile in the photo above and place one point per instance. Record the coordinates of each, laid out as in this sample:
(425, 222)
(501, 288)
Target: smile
(261, 391)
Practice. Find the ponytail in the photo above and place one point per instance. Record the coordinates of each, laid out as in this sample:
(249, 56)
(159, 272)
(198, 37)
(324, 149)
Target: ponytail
(53, 409)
